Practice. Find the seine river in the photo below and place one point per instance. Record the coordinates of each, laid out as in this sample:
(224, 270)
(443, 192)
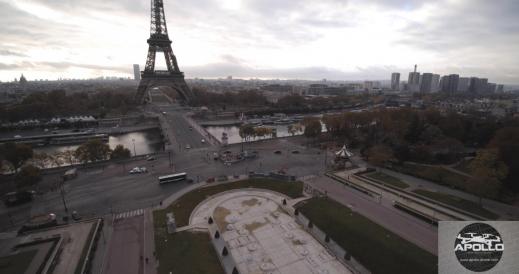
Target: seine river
(233, 132)
(146, 142)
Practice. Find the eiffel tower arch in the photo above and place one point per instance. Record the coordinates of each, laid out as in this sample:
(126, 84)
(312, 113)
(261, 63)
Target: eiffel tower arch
(159, 42)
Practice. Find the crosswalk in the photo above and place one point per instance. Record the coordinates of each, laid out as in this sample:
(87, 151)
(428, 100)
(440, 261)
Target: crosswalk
(129, 214)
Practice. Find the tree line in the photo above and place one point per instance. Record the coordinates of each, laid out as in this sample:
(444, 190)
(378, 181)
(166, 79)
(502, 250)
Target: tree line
(430, 137)
(27, 164)
(46, 105)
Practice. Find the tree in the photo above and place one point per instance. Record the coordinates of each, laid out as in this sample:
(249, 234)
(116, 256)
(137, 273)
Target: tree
(487, 171)
(68, 156)
(293, 129)
(120, 152)
(246, 131)
(379, 155)
(93, 150)
(41, 160)
(312, 127)
(506, 141)
(28, 176)
(16, 154)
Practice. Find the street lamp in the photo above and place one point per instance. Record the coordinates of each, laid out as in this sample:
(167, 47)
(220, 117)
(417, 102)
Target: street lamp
(134, 151)
(62, 192)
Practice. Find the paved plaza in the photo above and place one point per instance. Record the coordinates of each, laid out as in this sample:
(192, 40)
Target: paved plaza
(262, 237)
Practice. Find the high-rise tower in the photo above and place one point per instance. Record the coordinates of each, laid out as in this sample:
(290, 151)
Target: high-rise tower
(159, 42)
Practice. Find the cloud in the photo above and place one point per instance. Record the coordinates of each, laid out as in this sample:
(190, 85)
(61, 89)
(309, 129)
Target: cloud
(333, 39)
(6, 52)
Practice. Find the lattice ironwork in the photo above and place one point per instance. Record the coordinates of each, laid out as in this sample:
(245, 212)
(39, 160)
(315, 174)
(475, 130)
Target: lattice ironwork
(159, 42)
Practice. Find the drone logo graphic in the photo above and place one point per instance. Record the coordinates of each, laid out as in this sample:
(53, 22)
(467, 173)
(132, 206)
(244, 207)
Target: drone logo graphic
(478, 247)
(484, 238)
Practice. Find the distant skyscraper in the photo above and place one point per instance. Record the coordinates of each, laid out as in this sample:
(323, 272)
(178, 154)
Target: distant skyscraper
(463, 84)
(413, 82)
(136, 72)
(491, 87)
(449, 83)
(478, 85)
(426, 82)
(395, 81)
(500, 89)
(435, 85)
(482, 86)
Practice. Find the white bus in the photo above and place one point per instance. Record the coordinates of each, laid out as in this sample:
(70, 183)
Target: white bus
(172, 178)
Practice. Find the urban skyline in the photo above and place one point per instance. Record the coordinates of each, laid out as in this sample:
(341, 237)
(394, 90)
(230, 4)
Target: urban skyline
(375, 39)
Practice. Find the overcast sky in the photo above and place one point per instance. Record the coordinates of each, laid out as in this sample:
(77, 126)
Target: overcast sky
(295, 39)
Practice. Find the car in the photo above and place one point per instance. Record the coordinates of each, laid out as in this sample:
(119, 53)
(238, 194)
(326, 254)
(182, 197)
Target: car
(277, 152)
(295, 152)
(163, 113)
(188, 146)
(203, 141)
(190, 128)
(138, 170)
(17, 136)
(150, 158)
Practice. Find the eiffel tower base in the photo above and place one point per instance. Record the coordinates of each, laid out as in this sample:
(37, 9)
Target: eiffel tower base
(176, 82)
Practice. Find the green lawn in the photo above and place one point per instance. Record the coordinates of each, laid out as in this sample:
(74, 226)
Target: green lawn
(16, 264)
(378, 249)
(435, 174)
(183, 207)
(186, 253)
(464, 166)
(388, 179)
(452, 200)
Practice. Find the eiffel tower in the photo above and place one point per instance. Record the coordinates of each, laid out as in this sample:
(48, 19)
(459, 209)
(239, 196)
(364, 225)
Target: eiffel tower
(159, 42)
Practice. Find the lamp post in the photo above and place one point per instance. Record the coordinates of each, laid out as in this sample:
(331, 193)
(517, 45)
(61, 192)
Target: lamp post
(62, 192)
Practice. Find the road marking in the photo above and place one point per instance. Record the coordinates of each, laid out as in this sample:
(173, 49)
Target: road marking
(128, 214)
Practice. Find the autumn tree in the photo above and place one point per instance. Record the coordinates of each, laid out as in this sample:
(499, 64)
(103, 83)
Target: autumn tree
(379, 155)
(120, 152)
(93, 150)
(487, 171)
(16, 154)
(506, 141)
(28, 176)
(246, 132)
(312, 127)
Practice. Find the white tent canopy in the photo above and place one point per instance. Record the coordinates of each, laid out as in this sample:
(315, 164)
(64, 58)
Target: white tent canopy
(343, 153)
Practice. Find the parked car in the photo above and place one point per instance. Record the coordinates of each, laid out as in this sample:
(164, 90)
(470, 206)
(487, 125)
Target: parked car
(188, 146)
(150, 158)
(138, 170)
(203, 141)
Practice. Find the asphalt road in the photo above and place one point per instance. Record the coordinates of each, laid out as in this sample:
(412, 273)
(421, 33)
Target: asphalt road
(112, 189)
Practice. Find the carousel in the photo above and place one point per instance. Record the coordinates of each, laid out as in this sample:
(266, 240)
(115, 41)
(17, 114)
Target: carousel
(343, 158)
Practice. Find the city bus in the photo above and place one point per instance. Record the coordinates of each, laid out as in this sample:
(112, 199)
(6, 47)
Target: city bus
(172, 178)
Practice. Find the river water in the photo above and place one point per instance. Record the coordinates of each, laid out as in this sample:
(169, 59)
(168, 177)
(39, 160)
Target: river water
(145, 142)
(233, 132)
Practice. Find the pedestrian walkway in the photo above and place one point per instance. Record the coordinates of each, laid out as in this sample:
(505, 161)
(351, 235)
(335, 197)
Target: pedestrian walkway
(129, 214)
